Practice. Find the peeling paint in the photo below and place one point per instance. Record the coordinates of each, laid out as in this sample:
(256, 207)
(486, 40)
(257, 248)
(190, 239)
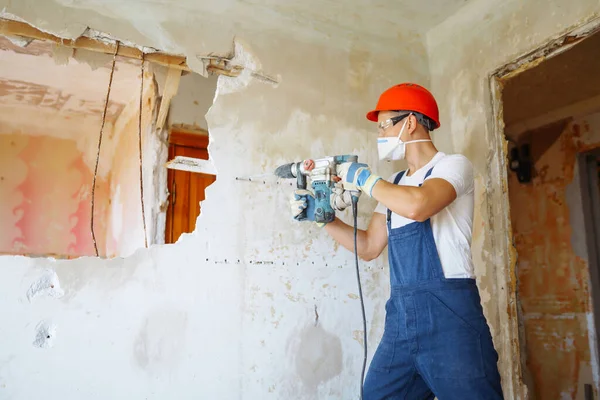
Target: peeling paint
(553, 280)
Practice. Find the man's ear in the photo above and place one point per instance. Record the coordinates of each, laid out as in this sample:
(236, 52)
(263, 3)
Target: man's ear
(411, 125)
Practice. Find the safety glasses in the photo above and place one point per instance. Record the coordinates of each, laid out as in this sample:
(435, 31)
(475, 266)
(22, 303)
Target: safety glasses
(383, 125)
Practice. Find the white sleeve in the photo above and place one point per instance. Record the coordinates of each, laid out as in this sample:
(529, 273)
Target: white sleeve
(381, 209)
(457, 170)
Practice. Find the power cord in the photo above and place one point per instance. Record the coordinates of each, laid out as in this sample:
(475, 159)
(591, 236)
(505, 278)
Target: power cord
(362, 303)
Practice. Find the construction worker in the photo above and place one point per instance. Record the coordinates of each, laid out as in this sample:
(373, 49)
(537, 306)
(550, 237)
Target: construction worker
(436, 341)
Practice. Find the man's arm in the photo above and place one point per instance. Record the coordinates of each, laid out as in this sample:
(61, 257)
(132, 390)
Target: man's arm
(452, 177)
(370, 243)
(416, 203)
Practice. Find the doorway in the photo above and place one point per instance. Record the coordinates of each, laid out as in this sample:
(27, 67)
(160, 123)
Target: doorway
(589, 167)
(186, 189)
(551, 113)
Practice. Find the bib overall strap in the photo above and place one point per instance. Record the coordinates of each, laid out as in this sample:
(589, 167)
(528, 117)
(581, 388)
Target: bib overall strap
(427, 175)
(389, 212)
(396, 181)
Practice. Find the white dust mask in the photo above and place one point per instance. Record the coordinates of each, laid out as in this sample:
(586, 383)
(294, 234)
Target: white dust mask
(393, 148)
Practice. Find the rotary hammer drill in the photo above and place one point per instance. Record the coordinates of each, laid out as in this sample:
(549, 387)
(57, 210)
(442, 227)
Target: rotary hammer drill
(321, 173)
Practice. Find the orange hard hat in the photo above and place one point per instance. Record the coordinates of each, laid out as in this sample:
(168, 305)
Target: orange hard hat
(407, 97)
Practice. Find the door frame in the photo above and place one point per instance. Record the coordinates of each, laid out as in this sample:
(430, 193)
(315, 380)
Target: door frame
(496, 193)
(182, 137)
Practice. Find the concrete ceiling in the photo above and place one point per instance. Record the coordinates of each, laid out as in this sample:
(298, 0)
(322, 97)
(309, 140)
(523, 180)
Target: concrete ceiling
(30, 76)
(377, 18)
(209, 26)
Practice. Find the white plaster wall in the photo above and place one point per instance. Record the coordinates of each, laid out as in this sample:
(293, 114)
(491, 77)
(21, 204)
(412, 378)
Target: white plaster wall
(463, 51)
(193, 99)
(229, 311)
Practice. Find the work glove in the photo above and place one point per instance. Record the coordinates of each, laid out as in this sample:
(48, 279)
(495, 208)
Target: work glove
(301, 200)
(341, 198)
(357, 176)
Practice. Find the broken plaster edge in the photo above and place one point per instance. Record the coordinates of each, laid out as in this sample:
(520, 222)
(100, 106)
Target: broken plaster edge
(85, 32)
(242, 57)
(65, 34)
(109, 39)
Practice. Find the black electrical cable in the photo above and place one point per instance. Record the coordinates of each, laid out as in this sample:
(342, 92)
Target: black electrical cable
(362, 303)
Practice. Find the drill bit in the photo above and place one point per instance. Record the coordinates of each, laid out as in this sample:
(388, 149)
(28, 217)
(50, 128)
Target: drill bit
(255, 178)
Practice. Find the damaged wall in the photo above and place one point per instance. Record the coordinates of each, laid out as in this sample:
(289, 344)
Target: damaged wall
(50, 117)
(552, 269)
(463, 51)
(229, 311)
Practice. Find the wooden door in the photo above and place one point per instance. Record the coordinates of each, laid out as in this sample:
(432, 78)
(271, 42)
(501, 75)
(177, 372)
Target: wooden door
(186, 189)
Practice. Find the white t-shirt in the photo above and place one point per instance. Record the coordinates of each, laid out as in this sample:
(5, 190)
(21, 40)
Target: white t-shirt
(452, 227)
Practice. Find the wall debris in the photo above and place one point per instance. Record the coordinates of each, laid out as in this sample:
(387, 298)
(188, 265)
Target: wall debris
(45, 333)
(45, 285)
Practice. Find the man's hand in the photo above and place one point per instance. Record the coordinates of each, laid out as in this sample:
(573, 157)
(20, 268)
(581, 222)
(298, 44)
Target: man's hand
(301, 200)
(341, 198)
(357, 176)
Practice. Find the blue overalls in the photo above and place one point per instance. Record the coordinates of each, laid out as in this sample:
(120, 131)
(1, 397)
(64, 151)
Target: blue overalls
(436, 340)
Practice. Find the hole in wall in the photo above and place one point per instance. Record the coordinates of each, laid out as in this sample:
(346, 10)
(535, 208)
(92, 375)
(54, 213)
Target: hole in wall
(52, 101)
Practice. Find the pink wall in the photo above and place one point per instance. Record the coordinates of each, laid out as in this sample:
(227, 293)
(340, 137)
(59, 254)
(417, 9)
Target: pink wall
(45, 198)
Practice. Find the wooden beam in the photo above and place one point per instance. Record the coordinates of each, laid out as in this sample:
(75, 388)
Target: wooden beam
(219, 66)
(170, 90)
(16, 28)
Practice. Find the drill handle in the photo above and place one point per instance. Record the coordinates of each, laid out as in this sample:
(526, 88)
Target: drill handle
(301, 184)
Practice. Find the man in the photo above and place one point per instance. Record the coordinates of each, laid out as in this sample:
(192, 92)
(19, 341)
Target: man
(436, 340)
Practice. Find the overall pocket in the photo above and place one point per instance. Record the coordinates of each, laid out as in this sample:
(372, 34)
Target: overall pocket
(453, 348)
